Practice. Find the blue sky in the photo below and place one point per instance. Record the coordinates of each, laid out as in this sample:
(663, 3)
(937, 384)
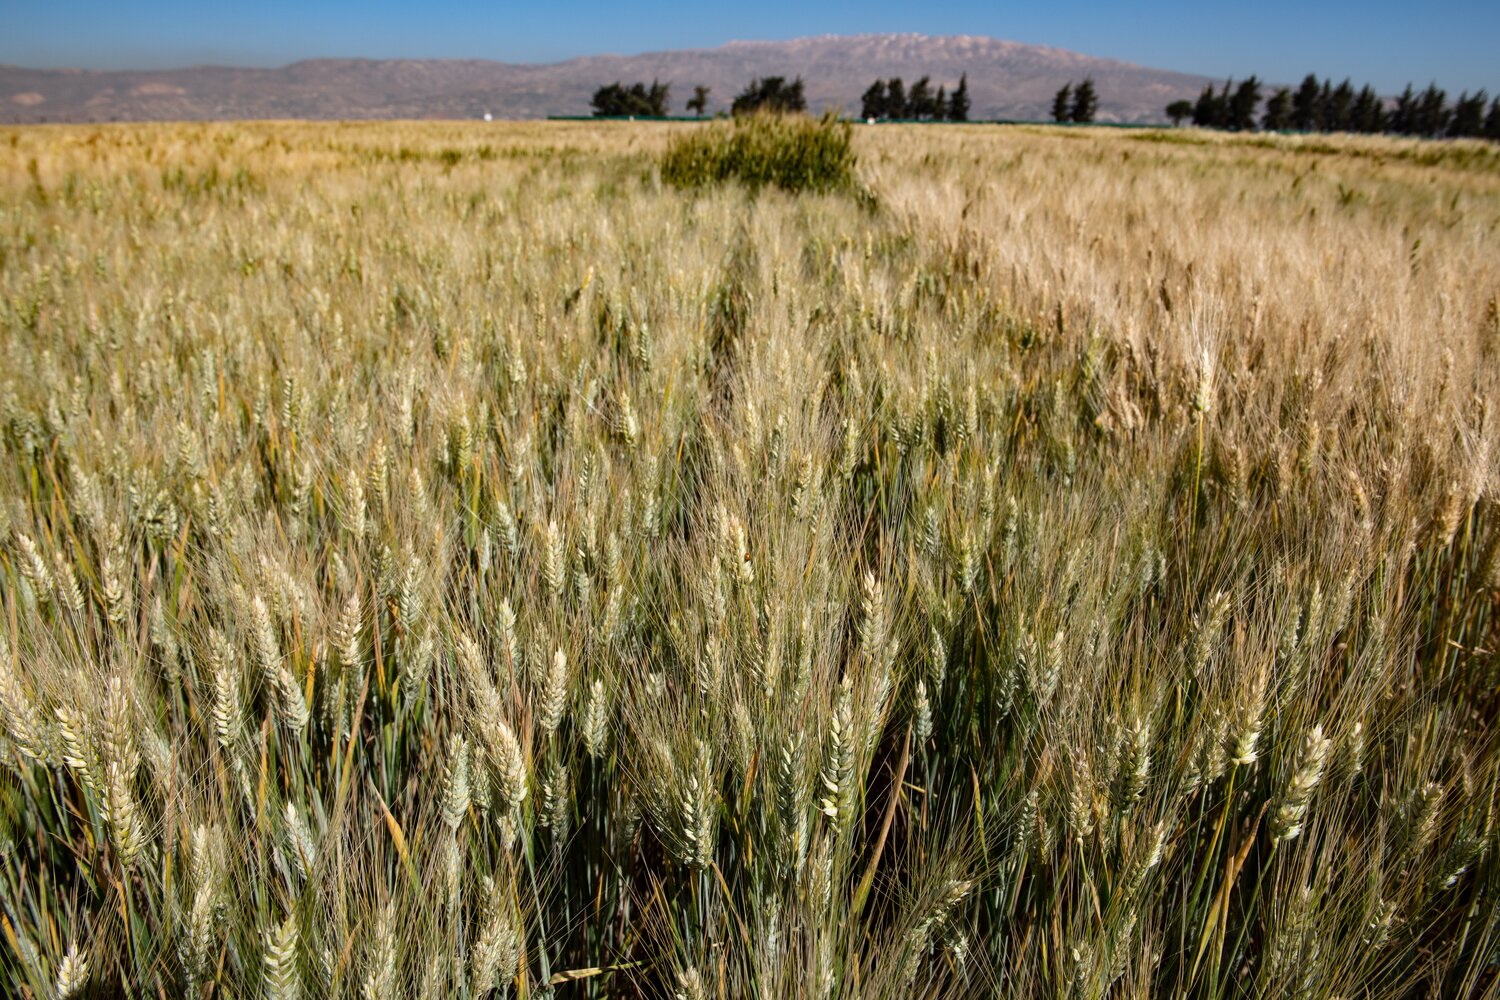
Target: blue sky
(1378, 41)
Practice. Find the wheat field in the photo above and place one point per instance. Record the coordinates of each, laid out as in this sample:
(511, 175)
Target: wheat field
(442, 560)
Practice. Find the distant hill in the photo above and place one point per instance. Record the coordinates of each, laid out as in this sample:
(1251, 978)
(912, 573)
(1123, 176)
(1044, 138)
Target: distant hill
(1006, 80)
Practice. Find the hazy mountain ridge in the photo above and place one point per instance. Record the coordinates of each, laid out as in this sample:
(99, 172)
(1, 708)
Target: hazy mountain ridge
(1006, 80)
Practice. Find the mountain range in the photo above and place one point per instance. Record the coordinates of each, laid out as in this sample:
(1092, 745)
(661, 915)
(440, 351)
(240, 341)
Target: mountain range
(1007, 79)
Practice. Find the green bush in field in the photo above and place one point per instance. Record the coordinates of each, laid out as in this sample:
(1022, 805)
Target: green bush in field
(795, 153)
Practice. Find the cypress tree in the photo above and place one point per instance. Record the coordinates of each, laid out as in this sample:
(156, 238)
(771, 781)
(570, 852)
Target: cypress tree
(919, 100)
(1368, 115)
(940, 105)
(958, 103)
(607, 100)
(1432, 111)
(1243, 105)
(1178, 110)
(1278, 114)
(1085, 102)
(895, 98)
(637, 100)
(1468, 115)
(1306, 112)
(1492, 122)
(1337, 112)
(1062, 106)
(657, 101)
(793, 98)
(1403, 120)
(1207, 113)
(872, 103)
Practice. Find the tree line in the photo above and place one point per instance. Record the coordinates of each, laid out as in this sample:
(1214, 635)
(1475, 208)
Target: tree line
(1314, 106)
(889, 100)
(771, 93)
(1323, 106)
(885, 99)
(617, 101)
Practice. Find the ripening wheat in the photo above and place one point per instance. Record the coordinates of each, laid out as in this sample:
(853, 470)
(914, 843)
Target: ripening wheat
(454, 565)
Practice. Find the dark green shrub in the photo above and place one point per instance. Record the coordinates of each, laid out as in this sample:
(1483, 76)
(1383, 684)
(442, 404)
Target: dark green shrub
(792, 152)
